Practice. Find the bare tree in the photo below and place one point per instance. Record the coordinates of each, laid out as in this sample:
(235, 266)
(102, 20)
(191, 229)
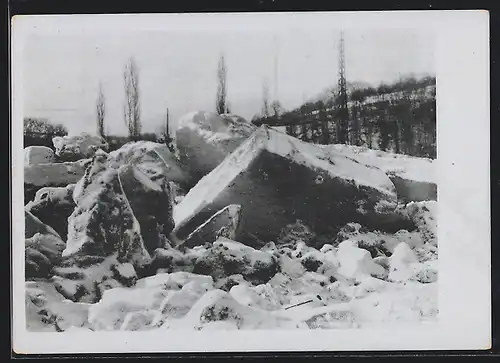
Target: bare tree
(165, 135)
(356, 123)
(276, 108)
(221, 106)
(132, 111)
(265, 100)
(101, 111)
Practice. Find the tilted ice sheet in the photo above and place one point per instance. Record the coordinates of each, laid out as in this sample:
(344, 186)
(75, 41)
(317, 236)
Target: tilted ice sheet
(288, 147)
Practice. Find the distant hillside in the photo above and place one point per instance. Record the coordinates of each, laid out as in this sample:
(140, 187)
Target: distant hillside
(331, 92)
(398, 117)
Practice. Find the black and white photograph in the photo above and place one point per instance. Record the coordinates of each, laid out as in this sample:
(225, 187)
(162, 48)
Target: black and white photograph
(235, 172)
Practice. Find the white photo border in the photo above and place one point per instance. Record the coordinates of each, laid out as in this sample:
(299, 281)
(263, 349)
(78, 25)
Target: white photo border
(463, 123)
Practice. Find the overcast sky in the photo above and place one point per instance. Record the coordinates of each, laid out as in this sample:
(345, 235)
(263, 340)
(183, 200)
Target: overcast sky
(177, 69)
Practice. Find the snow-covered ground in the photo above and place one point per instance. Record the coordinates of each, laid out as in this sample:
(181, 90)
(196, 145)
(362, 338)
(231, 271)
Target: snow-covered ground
(352, 285)
(337, 287)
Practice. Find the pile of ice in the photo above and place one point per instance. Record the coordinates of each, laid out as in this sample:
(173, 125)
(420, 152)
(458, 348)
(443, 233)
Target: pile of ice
(45, 168)
(277, 233)
(115, 214)
(227, 285)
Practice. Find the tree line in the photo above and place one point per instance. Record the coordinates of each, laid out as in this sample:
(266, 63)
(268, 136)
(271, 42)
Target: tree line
(398, 117)
(39, 131)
